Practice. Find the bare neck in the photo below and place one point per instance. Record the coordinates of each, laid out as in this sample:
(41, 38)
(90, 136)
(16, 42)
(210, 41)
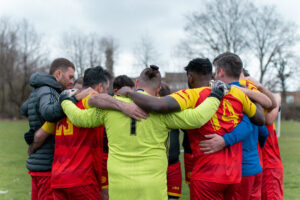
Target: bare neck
(148, 90)
(229, 79)
(201, 84)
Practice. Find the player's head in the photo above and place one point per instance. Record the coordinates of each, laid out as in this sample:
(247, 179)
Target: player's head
(199, 72)
(228, 67)
(96, 78)
(63, 70)
(149, 80)
(164, 90)
(244, 73)
(78, 83)
(121, 81)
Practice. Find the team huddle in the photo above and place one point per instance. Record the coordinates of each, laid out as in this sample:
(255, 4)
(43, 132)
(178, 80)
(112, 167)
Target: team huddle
(88, 144)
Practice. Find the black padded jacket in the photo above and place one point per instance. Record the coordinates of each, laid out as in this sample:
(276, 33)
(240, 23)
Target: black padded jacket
(42, 105)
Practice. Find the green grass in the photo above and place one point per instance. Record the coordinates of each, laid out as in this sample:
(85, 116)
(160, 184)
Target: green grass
(290, 155)
(15, 179)
(13, 173)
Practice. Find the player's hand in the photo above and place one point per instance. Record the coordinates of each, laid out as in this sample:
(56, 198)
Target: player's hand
(30, 150)
(132, 110)
(124, 91)
(219, 89)
(213, 144)
(68, 95)
(80, 94)
(104, 194)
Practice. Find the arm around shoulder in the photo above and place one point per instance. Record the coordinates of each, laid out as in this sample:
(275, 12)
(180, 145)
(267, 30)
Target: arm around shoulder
(258, 118)
(272, 115)
(88, 118)
(154, 104)
(193, 118)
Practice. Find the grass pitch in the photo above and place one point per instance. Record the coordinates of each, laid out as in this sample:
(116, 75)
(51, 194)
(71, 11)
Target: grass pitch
(15, 182)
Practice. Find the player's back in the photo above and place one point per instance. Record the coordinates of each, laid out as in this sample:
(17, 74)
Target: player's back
(223, 166)
(75, 154)
(137, 161)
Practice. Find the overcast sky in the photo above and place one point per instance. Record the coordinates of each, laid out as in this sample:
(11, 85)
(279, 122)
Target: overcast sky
(125, 20)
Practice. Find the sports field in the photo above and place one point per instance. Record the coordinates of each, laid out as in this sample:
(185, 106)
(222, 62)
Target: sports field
(15, 182)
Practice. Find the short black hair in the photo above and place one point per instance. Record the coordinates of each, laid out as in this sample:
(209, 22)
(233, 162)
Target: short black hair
(164, 90)
(93, 76)
(231, 63)
(106, 73)
(60, 63)
(201, 66)
(121, 81)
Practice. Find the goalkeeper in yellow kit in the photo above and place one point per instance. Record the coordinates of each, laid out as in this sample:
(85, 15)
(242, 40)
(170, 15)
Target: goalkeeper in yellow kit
(137, 161)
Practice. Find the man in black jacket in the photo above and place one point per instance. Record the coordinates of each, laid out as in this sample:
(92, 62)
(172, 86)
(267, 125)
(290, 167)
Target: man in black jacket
(42, 105)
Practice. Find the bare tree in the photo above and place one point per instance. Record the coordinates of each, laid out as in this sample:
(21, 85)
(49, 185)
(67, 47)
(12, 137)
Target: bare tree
(94, 50)
(88, 50)
(20, 56)
(145, 52)
(110, 47)
(241, 27)
(287, 68)
(269, 34)
(31, 57)
(219, 28)
(74, 44)
(8, 55)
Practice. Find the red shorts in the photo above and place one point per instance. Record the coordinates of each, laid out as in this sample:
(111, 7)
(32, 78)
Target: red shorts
(272, 184)
(210, 190)
(250, 187)
(174, 180)
(87, 192)
(188, 167)
(40, 186)
(104, 176)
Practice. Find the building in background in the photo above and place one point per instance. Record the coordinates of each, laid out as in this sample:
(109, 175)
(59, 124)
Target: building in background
(293, 97)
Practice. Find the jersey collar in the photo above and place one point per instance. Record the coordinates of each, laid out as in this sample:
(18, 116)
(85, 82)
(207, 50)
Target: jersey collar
(237, 83)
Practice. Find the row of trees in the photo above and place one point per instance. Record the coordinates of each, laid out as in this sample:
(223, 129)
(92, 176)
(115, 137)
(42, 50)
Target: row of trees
(21, 55)
(89, 50)
(260, 34)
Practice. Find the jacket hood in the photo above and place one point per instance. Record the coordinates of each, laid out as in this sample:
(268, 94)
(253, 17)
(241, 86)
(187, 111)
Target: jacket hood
(42, 79)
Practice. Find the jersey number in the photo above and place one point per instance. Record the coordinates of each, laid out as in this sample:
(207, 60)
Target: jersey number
(64, 127)
(133, 127)
(228, 115)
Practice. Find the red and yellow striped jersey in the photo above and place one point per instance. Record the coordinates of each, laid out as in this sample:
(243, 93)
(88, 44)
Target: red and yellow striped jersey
(224, 166)
(78, 153)
(270, 152)
(248, 84)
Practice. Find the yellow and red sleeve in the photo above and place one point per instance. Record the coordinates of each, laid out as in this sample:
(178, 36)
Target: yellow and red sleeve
(49, 127)
(249, 84)
(187, 98)
(249, 108)
(85, 101)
